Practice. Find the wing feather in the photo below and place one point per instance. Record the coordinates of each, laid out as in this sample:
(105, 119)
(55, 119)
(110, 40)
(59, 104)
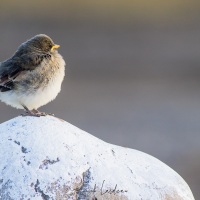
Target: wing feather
(13, 67)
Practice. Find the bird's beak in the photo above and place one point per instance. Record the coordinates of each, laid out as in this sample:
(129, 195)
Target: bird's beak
(55, 47)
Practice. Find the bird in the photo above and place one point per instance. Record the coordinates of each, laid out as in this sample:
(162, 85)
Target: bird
(32, 77)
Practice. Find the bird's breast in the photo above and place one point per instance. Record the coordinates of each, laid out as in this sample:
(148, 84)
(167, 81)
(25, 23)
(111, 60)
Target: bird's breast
(40, 86)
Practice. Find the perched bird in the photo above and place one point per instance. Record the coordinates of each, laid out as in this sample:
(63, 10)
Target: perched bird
(32, 77)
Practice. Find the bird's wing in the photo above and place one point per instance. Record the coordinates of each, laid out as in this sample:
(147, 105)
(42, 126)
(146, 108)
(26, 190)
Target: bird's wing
(13, 67)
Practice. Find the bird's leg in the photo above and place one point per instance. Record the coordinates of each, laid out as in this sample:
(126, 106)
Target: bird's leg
(32, 112)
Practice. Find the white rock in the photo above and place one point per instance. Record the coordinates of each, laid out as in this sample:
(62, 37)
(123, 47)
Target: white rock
(47, 158)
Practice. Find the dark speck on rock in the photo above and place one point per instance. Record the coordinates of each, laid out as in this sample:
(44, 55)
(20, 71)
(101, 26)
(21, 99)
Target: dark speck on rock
(38, 189)
(17, 142)
(24, 150)
(113, 152)
(47, 162)
(14, 123)
(32, 184)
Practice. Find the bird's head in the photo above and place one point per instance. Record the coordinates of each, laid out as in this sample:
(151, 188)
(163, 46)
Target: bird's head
(40, 43)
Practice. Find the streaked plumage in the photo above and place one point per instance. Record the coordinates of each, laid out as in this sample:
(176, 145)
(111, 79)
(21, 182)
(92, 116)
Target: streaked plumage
(32, 77)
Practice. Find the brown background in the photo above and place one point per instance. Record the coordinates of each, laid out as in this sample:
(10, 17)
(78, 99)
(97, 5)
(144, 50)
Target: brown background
(133, 71)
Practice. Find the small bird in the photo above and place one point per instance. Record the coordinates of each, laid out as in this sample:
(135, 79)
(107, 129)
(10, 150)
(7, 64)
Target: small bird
(32, 77)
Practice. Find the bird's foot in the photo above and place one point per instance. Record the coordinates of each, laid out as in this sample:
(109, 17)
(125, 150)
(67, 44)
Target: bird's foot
(42, 113)
(34, 113)
(38, 113)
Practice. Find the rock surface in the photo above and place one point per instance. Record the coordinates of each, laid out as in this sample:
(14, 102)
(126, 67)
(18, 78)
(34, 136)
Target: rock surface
(48, 158)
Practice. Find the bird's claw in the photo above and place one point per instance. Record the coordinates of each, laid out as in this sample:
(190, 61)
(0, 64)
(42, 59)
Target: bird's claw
(51, 114)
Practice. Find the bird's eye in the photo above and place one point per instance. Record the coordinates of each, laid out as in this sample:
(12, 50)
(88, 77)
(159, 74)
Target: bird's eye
(50, 46)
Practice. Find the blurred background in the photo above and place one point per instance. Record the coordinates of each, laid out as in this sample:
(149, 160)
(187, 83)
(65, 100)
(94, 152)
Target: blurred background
(133, 71)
